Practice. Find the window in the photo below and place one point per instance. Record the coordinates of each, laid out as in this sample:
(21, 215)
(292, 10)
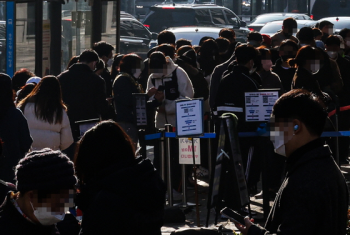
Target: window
(139, 30)
(203, 17)
(126, 29)
(218, 16)
(231, 18)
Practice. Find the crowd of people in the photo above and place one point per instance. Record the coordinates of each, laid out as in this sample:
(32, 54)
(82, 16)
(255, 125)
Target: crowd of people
(47, 161)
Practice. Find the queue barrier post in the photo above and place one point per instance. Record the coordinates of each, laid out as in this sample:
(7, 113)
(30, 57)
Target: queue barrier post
(162, 154)
(168, 128)
(209, 150)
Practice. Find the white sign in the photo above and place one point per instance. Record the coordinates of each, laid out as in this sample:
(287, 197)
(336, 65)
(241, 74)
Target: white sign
(259, 104)
(186, 152)
(189, 117)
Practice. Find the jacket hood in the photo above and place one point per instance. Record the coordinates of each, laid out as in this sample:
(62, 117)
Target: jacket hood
(171, 66)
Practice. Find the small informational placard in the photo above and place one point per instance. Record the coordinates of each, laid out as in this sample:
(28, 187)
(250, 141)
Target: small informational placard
(258, 105)
(140, 109)
(186, 151)
(85, 125)
(189, 118)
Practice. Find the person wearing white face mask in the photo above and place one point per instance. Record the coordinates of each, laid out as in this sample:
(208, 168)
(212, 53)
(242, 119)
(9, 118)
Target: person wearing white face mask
(314, 191)
(105, 52)
(42, 199)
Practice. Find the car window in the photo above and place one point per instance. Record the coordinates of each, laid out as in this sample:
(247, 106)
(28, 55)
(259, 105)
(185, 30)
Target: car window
(126, 28)
(341, 24)
(217, 16)
(203, 17)
(231, 18)
(139, 30)
(298, 17)
(271, 28)
(268, 18)
(306, 17)
(195, 37)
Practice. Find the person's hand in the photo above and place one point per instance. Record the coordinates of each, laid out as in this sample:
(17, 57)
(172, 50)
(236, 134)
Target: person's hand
(151, 91)
(159, 96)
(244, 228)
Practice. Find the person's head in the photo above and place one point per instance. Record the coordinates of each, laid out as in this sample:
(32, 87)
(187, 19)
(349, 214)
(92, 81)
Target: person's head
(317, 33)
(116, 63)
(6, 94)
(263, 61)
(246, 55)
(72, 61)
(345, 33)
(20, 78)
(45, 181)
(298, 117)
(255, 39)
(182, 42)
(203, 39)
(25, 91)
(167, 49)
(266, 40)
(104, 51)
(306, 36)
(90, 58)
(223, 45)
(208, 56)
(47, 97)
(101, 147)
(228, 34)
(157, 64)
(332, 46)
(166, 37)
(151, 51)
(289, 26)
(131, 64)
(183, 49)
(288, 49)
(99, 67)
(306, 58)
(326, 27)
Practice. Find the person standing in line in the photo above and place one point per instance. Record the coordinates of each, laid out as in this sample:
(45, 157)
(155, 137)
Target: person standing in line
(46, 115)
(14, 132)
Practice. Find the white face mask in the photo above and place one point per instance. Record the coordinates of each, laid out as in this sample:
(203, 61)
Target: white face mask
(277, 138)
(348, 43)
(46, 217)
(157, 75)
(137, 73)
(315, 67)
(267, 65)
(332, 54)
(109, 62)
(252, 69)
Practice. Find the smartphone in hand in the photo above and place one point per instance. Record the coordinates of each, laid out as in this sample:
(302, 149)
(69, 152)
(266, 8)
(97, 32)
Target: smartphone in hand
(233, 215)
(161, 88)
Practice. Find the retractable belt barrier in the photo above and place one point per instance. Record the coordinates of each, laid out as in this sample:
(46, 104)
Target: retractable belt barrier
(244, 134)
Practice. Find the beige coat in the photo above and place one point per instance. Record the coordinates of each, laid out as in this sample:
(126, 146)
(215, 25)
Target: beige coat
(45, 135)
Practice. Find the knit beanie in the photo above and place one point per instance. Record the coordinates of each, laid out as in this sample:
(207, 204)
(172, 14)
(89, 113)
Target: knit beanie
(45, 170)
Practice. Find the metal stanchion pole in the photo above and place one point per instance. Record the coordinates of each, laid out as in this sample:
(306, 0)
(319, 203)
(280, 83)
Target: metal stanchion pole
(170, 188)
(184, 197)
(162, 155)
(209, 150)
(195, 182)
(337, 138)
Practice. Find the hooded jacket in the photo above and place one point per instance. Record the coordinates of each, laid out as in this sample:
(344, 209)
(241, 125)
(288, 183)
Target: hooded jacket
(185, 89)
(123, 199)
(271, 80)
(313, 198)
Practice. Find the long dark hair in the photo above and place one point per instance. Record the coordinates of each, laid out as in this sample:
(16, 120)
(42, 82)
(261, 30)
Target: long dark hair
(6, 94)
(116, 62)
(103, 145)
(47, 97)
(130, 62)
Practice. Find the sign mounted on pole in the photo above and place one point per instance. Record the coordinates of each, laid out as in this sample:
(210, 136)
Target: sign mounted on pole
(10, 38)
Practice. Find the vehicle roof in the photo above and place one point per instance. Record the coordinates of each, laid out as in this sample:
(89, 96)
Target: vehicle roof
(186, 6)
(282, 13)
(334, 18)
(298, 21)
(193, 29)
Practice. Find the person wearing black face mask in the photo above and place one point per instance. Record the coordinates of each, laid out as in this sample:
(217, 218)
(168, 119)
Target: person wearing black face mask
(287, 50)
(288, 28)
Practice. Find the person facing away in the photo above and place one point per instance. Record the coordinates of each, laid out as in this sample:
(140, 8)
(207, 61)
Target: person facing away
(287, 50)
(83, 91)
(46, 115)
(45, 181)
(118, 193)
(289, 27)
(313, 198)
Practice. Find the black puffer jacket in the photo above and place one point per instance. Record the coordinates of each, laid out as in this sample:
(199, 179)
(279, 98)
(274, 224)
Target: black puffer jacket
(124, 199)
(313, 198)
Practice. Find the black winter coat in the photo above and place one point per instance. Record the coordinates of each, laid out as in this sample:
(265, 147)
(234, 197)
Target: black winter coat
(231, 93)
(124, 199)
(107, 77)
(313, 198)
(84, 93)
(286, 75)
(12, 222)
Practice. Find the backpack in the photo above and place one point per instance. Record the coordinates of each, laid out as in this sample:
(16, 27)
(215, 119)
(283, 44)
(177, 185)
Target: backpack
(171, 88)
